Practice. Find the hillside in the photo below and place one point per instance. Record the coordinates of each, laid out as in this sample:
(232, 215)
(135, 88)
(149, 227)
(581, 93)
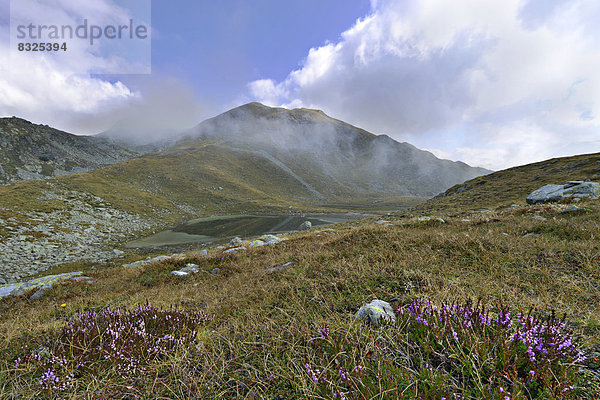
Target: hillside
(512, 185)
(331, 159)
(253, 159)
(30, 151)
(480, 300)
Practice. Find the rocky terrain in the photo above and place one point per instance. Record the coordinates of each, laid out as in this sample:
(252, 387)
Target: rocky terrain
(87, 228)
(251, 159)
(30, 151)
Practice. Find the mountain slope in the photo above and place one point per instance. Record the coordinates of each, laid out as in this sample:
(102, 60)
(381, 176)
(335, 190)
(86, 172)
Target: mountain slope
(30, 151)
(330, 158)
(514, 184)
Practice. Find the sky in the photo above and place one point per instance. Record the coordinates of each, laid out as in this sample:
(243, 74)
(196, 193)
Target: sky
(493, 83)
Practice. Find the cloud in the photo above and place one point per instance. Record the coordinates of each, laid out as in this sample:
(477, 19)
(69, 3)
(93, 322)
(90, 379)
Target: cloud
(512, 77)
(62, 90)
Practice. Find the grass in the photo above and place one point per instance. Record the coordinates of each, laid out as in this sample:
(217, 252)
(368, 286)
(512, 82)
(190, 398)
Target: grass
(513, 184)
(274, 328)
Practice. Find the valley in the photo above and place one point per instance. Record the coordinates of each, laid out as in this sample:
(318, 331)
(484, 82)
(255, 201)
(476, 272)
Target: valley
(214, 229)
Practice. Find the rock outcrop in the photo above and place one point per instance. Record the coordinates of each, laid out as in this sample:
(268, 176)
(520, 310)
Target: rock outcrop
(574, 189)
(41, 284)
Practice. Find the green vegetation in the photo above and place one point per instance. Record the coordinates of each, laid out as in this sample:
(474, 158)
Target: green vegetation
(241, 329)
(514, 184)
(273, 329)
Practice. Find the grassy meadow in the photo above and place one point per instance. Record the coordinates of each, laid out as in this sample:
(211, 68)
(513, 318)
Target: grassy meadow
(480, 315)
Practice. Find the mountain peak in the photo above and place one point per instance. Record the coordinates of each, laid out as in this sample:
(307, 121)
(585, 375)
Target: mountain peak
(259, 110)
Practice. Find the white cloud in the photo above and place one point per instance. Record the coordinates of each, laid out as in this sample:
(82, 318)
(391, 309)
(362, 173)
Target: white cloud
(45, 87)
(61, 90)
(518, 79)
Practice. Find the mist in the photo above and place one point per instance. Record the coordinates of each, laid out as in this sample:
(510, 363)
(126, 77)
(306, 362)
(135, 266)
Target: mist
(324, 153)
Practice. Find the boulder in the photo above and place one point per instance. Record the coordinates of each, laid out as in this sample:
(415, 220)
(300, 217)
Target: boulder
(425, 219)
(43, 283)
(575, 189)
(187, 270)
(375, 311)
(233, 250)
(306, 225)
(278, 267)
(570, 209)
(257, 243)
(236, 241)
(271, 239)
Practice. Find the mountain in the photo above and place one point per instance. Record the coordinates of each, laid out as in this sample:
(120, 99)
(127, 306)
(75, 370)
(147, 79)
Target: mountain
(329, 158)
(30, 151)
(253, 158)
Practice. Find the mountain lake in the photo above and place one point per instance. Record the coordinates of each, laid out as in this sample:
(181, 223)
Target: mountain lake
(222, 228)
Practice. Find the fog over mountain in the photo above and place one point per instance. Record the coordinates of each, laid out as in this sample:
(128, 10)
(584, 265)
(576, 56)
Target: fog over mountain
(330, 156)
(320, 158)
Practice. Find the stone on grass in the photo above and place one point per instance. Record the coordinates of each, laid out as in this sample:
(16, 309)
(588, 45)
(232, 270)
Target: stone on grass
(278, 267)
(306, 225)
(573, 189)
(257, 243)
(235, 249)
(570, 209)
(425, 219)
(145, 262)
(236, 241)
(271, 239)
(538, 218)
(37, 295)
(43, 283)
(376, 311)
(187, 270)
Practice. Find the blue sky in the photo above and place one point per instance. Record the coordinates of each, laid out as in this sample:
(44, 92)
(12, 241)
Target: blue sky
(220, 46)
(494, 83)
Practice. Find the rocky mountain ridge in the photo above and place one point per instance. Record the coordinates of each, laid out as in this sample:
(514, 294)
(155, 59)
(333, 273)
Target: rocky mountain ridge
(31, 151)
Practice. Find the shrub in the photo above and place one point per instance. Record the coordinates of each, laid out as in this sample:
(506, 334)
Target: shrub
(451, 352)
(125, 342)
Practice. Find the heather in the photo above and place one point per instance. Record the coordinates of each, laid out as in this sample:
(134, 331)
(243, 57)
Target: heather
(482, 311)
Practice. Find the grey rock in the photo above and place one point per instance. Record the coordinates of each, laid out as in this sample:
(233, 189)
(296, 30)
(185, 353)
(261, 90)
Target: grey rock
(215, 271)
(570, 209)
(236, 241)
(271, 239)
(376, 311)
(576, 189)
(532, 234)
(278, 267)
(46, 282)
(235, 249)
(37, 295)
(190, 268)
(306, 225)
(203, 252)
